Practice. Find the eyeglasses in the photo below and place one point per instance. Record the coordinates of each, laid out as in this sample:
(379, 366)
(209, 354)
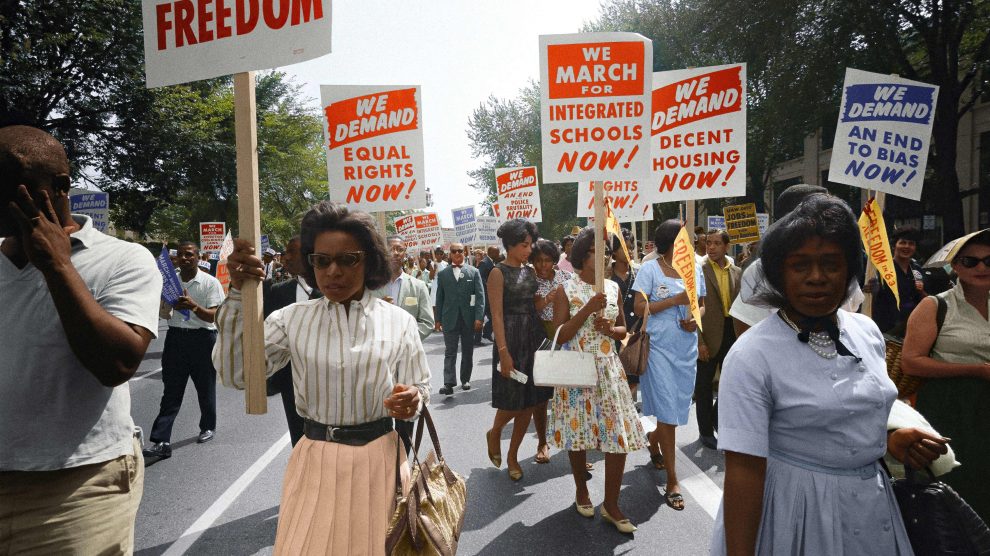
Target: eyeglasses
(320, 261)
(452, 251)
(971, 262)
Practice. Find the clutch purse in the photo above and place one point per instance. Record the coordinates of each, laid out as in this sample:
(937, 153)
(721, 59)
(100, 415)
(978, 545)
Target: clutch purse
(564, 369)
(635, 354)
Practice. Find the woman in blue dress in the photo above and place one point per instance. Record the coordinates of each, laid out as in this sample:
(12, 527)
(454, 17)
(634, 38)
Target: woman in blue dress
(669, 380)
(803, 406)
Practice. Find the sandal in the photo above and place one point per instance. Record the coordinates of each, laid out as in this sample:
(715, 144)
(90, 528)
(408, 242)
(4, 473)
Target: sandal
(543, 454)
(674, 500)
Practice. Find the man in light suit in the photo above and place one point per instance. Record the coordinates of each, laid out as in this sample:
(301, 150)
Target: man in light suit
(460, 311)
(717, 333)
(405, 291)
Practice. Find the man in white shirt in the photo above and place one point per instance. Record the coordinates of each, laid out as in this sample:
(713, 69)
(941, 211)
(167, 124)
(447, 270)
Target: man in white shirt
(79, 310)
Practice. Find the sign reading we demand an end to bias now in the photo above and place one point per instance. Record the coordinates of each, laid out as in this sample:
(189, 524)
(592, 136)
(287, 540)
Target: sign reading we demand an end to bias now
(374, 142)
(187, 41)
(594, 111)
(519, 193)
(885, 126)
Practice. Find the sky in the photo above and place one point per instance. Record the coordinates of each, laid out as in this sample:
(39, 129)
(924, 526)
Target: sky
(460, 52)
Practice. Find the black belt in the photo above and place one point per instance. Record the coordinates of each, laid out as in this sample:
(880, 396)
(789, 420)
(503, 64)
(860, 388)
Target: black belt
(174, 329)
(352, 435)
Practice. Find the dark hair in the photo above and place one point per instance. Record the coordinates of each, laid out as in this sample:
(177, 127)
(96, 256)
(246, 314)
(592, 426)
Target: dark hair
(545, 247)
(614, 243)
(513, 232)
(665, 234)
(794, 195)
(565, 239)
(187, 243)
(722, 233)
(326, 217)
(822, 216)
(699, 231)
(909, 233)
(583, 243)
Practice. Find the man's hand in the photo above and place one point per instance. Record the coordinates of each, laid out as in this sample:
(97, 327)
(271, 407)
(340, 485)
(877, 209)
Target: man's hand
(477, 325)
(438, 327)
(703, 354)
(403, 402)
(185, 302)
(243, 264)
(43, 239)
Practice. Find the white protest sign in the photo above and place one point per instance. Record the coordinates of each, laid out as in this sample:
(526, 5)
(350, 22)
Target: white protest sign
(187, 41)
(488, 230)
(374, 142)
(881, 141)
(465, 224)
(449, 236)
(594, 111)
(763, 221)
(94, 204)
(428, 232)
(405, 226)
(628, 205)
(698, 131)
(211, 236)
(519, 193)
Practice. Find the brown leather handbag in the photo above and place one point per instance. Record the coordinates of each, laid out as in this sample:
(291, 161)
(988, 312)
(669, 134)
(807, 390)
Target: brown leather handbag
(635, 354)
(428, 520)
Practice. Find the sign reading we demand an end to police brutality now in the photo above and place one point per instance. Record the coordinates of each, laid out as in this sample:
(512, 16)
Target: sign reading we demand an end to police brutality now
(698, 130)
(519, 193)
(374, 142)
(595, 106)
(187, 41)
(881, 141)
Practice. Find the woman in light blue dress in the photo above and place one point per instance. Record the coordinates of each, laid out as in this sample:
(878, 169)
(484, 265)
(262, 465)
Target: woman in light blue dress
(803, 405)
(669, 380)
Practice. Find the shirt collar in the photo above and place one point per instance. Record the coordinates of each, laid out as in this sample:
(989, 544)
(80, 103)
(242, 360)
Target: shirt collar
(365, 303)
(86, 235)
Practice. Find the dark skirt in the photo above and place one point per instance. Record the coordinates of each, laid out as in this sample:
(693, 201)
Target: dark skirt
(523, 335)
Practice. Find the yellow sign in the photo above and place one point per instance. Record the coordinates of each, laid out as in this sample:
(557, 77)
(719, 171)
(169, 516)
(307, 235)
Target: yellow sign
(741, 223)
(874, 234)
(612, 226)
(683, 263)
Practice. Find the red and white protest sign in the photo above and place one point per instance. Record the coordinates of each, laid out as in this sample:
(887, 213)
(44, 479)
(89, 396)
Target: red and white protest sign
(428, 231)
(519, 193)
(374, 142)
(698, 133)
(594, 111)
(211, 236)
(405, 226)
(628, 204)
(187, 41)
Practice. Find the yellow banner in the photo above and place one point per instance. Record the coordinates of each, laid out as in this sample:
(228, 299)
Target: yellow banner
(683, 263)
(612, 226)
(874, 234)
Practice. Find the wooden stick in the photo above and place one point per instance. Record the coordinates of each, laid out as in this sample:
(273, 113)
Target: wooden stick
(870, 268)
(249, 228)
(599, 236)
(689, 220)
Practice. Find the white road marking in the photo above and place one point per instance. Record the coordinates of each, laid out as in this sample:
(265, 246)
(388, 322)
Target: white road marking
(205, 521)
(146, 375)
(704, 491)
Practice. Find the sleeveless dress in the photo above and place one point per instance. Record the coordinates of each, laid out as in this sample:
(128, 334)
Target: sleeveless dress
(603, 417)
(523, 336)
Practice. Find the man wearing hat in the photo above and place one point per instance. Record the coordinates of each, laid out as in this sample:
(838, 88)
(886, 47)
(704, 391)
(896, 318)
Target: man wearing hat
(270, 265)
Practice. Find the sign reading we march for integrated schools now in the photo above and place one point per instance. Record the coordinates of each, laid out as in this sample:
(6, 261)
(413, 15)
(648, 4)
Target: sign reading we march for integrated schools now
(595, 106)
(519, 193)
(628, 205)
(187, 41)
(881, 141)
(374, 142)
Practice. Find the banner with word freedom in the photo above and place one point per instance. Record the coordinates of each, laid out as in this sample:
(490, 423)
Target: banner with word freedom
(684, 263)
(741, 223)
(885, 126)
(95, 205)
(698, 131)
(873, 231)
(211, 236)
(594, 110)
(624, 197)
(465, 224)
(519, 193)
(374, 143)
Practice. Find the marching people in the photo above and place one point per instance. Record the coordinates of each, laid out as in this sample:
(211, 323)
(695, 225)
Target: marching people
(485, 268)
(803, 437)
(186, 355)
(335, 495)
(565, 252)
(79, 311)
(667, 386)
(518, 334)
(622, 272)
(460, 310)
(602, 417)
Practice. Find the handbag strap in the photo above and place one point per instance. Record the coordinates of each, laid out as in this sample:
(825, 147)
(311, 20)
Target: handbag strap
(646, 315)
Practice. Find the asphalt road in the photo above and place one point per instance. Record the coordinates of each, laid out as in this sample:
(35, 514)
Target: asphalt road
(222, 497)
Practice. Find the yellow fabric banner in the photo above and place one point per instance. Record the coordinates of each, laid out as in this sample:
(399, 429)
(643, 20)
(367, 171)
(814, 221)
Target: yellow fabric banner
(874, 234)
(683, 263)
(612, 226)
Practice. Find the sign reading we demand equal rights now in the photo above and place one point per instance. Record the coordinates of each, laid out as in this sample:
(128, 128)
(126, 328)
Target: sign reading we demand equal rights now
(881, 141)
(374, 142)
(519, 193)
(187, 41)
(594, 111)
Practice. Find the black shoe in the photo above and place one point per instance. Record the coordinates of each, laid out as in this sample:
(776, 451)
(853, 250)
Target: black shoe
(709, 442)
(466, 386)
(204, 436)
(160, 450)
(447, 391)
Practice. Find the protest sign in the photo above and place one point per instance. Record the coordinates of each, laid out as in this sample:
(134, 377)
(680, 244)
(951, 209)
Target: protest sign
(698, 133)
(488, 230)
(405, 226)
(374, 142)
(186, 41)
(594, 110)
(95, 205)
(265, 244)
(741, 223)
(223, 273)
(762, 222)
(884, 129)
(519, 193)
(449, 236)
(716, 223)
(623, 196)
(684, 263)
(171, 286)
(211, 236)
(873, 230)
(428, 232)
(465, 224)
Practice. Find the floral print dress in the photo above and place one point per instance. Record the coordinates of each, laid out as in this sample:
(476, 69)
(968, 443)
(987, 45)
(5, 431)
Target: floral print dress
(603, 417)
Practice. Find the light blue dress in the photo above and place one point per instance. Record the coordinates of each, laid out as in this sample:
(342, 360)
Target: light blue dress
(669, 380)
(822, 425)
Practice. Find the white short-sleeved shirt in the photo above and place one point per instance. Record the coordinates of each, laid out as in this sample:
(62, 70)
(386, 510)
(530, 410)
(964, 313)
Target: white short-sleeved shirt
(207, 292)
(54, 413)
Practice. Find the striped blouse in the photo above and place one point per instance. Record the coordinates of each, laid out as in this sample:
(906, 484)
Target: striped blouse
(343, 365)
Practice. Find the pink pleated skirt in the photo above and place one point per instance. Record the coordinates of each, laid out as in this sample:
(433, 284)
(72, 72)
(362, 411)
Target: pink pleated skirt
(337, 499)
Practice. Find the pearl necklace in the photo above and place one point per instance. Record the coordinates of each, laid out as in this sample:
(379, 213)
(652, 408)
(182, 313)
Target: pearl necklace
(819, 342)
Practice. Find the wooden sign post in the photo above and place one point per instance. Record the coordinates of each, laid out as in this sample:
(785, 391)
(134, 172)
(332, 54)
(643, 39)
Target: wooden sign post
(599, 236)
(249, 228)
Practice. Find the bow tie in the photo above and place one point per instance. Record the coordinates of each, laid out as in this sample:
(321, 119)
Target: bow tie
(458, 266)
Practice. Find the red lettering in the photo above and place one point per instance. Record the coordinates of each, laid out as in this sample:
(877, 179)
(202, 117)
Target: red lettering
(276, 21)
(223, 12)
(354, 195)
(306, 9)
(247, 16)
(161, 10)
(185, 12)
(205, 17)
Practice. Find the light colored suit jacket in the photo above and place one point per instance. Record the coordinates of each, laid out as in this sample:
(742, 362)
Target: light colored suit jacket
(414, 298)
(713, 322)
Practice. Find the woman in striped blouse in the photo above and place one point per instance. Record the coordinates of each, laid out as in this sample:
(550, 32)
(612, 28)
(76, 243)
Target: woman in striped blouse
(357, 364)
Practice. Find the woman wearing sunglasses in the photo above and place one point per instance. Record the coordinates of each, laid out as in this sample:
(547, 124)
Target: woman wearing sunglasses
(956, 361)
(357, 363)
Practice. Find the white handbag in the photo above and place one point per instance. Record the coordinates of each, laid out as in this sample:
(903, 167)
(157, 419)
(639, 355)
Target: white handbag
(564, 369)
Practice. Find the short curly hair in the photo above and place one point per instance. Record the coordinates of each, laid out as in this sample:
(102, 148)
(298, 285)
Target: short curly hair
(515, 231)
(328, 217)
(547, 248)
(583, 244)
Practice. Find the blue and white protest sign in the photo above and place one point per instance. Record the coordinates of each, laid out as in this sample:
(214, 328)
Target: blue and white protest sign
(171, 286)
(465, 225)
(265, 244)
(716, 222)
(95, 205)
(885, 127)
(488, 230)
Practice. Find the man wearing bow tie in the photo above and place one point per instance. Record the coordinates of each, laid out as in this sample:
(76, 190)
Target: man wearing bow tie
(460, 311)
